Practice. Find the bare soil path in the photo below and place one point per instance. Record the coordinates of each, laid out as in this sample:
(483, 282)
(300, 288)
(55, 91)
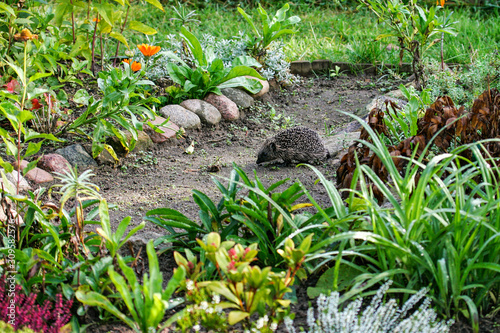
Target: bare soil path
(165, 176)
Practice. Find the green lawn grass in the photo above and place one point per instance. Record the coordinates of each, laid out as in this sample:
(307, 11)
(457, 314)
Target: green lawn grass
(338, 35)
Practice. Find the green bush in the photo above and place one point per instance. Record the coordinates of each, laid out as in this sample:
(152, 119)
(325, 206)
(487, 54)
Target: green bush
(264, 216)
(439, 229)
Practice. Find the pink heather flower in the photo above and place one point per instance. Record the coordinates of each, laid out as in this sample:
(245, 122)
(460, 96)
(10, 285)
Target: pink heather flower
(48, 318)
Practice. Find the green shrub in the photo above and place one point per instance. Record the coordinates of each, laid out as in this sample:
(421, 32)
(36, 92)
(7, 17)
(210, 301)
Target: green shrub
(146, 303)
(264, 216)
(464, 83)
(247, 290)
(440, 228)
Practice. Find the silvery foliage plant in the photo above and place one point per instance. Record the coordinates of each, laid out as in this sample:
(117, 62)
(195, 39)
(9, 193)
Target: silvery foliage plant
(275, 62)
(378, 317)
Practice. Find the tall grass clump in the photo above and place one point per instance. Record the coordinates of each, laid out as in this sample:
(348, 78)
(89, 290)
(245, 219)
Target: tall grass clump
(439, 228)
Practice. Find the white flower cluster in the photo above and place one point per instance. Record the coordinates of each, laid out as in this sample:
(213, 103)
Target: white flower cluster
(377, 317)
(190, 285)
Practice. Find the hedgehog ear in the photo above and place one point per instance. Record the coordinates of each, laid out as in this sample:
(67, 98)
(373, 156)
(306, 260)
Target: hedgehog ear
(272, 146)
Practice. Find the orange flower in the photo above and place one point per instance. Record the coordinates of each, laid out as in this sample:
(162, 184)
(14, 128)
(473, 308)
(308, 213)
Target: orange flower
(442, 2)
(25, 35)
(136, 66)
(148, 50)
(127, 61)
(96, 19)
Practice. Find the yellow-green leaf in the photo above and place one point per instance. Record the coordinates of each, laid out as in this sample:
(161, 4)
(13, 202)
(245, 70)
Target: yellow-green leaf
(156, 3)
(141, 27)
(236, 316)
(118, 36)
(299, 206)
(6, 8)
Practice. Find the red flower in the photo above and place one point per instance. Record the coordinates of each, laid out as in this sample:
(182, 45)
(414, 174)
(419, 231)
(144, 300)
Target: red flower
(12, 86)
(35, 104)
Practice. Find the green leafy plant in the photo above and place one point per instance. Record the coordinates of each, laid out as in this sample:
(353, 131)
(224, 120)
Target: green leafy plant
(12, 107)
(413, 26)
(247, 289)
(115, 110)
(441, 229)
(264, 216)
(272, 29)
(208, 74)
(402, 123)
(146, 303)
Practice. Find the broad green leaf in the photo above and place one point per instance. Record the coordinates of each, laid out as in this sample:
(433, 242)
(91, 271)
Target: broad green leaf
(173, 283)
(19, 71)
(253, 86)
(141, 27)
(81, 97)
(61, 10)
(39, 76)
(249, 20)
(95, 299)
(281, 13)
(118, 36)
(33, 148)
(235, 317)
(123, 289)
(194, 46)
(6, 8)
(246, 61)
(241, 71)
(157, 4)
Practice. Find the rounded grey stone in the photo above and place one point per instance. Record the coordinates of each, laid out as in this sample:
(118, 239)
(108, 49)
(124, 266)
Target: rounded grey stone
(76, 155)
(181, 116)
(206, 111)
(241, 98)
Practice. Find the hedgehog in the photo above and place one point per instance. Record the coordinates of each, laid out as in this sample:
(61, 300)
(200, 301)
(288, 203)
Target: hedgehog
(299, 144)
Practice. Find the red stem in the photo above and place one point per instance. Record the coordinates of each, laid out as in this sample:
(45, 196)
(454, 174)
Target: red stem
(121, 31)
(73, 22)
(93, 45)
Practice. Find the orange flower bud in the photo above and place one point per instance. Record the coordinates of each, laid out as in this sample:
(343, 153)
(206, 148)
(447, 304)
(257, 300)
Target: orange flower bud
(148, 50)
(25, 35)
(136, 66)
